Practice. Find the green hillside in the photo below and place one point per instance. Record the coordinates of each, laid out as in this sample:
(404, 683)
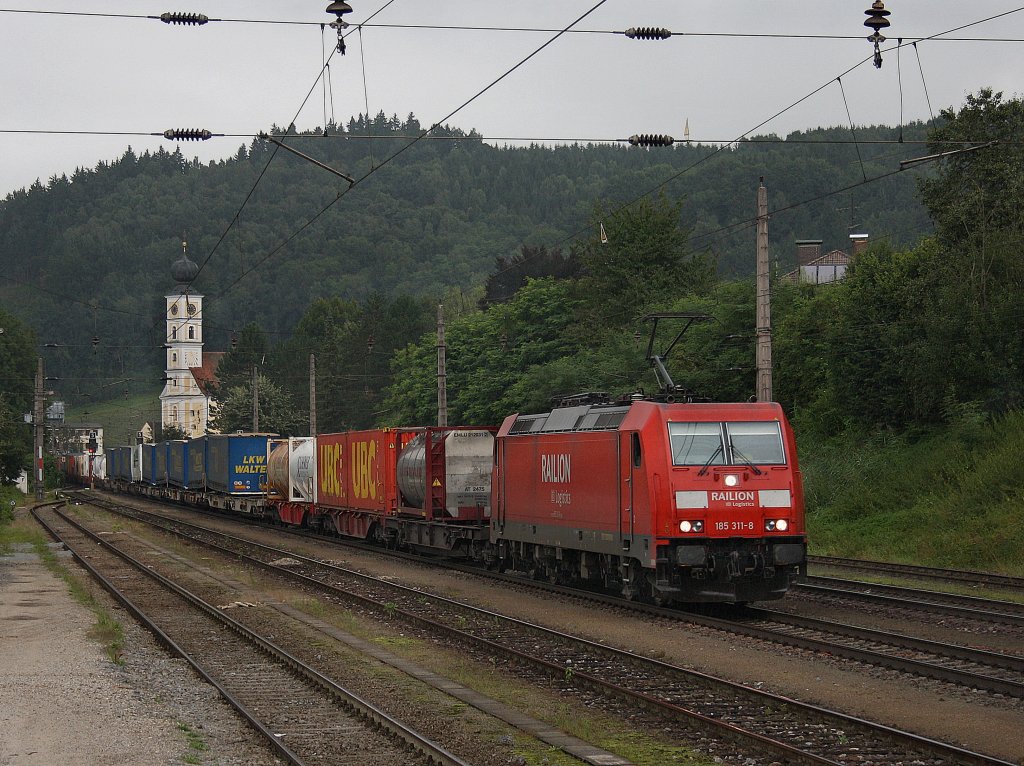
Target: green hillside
(436, 218)
(951, 498)
(120, 418)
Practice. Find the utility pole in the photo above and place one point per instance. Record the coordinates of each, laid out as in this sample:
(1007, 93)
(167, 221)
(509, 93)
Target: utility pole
(312, 394)
(255, 400)
(442, 375)
(38, 428)
(764, 307)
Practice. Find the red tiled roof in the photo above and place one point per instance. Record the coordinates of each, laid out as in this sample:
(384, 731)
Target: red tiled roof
(206, 376)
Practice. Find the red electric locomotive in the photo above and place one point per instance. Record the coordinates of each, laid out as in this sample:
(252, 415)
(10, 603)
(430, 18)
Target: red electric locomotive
(667, 501)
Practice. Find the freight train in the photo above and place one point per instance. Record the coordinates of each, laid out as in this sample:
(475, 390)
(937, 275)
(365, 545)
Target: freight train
(658, 501)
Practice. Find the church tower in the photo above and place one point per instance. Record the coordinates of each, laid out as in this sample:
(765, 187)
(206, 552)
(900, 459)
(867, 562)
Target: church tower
(182, 402)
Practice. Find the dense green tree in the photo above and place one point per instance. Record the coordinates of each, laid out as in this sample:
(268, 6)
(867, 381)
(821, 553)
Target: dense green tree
(511, 273)
(977, 191)
(17, 376)
(490, 356)
(643, 259)
(249, 351)
(169, 433)
(277, 413)
(437, 218)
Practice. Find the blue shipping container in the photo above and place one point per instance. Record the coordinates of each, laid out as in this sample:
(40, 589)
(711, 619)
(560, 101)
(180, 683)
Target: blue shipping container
(196, 477)
(148, 468)
(124, 463)
(154, 463)
(177, 456)
(236, 464)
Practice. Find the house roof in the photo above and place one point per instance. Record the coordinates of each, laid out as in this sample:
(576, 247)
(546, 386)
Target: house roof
(206, 375)
(831, 258)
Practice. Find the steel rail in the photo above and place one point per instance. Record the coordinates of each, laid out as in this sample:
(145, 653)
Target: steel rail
(927, 668)
(969, 607)
(931, 746)
(364, 709)
(933, 573)
(739, 626)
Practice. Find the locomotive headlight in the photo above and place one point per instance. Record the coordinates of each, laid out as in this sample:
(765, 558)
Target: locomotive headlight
(731, 480)
(685, 526)
(782, 525)
(691, 526)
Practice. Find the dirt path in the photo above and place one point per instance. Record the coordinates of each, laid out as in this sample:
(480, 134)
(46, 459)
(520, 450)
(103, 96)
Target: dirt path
(62, 700)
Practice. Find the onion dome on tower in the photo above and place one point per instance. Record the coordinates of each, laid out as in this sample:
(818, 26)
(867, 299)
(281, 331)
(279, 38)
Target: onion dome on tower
(184, 270)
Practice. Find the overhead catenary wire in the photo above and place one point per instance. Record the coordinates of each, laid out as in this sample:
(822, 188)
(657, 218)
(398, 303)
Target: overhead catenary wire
(409, 145)
(924, 82)
(547, 140)
(513, 29)
(853, 132)
(579, 232)
(256, 183)
(800, 100)
(372, 170)
(733, 140)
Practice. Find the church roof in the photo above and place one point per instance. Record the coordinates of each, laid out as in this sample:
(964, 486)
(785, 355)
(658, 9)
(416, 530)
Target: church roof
(206, 375)
(184, 270)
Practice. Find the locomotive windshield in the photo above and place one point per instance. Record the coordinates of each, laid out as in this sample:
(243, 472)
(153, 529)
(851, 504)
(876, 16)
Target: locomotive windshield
(739, 443)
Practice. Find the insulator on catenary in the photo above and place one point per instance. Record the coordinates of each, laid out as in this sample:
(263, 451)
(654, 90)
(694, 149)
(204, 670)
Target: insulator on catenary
(197, 19)
(651, 139)
(648, 33)
(188, 134)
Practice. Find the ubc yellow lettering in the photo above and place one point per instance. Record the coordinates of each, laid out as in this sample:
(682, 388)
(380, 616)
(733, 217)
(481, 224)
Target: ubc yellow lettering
(330, 475)
(364, 455)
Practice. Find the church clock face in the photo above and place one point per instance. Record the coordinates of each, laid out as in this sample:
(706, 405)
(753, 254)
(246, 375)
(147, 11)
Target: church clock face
(191, 309)
(174, 309)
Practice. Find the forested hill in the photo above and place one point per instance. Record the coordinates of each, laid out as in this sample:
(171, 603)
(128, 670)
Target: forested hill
(89, 255)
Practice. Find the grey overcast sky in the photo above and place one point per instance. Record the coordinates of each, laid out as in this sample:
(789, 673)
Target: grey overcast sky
(131, 75)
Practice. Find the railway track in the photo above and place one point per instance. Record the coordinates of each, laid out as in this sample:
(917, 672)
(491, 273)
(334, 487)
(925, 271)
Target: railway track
(307, 718)
(969, 607)
(780, 728)
(989, 671)
(972, 578)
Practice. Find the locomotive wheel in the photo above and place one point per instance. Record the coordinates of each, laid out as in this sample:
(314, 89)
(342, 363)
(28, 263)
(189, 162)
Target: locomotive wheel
(631, 590)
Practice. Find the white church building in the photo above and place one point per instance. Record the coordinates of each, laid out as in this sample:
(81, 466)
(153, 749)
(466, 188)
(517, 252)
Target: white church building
(185, 400)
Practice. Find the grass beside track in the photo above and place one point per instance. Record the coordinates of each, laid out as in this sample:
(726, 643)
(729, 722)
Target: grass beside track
(20, 529)
(947, 499)
(605, 731)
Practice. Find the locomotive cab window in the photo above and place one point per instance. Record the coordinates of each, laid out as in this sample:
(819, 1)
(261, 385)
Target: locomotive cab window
(637, 452)
(759, 443)
(734, 443)
(696, 443)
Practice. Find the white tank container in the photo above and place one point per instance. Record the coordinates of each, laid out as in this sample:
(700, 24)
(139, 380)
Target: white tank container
(291, 469)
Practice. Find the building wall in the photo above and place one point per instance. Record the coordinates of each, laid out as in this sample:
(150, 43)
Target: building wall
(182, 403)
